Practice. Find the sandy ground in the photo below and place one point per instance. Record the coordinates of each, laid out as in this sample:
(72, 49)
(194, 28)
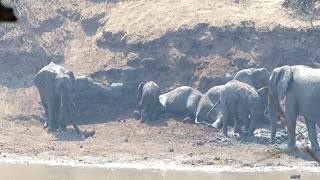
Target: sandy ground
(69, 32)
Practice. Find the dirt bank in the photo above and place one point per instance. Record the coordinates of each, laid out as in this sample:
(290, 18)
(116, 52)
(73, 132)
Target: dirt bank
(171, 42)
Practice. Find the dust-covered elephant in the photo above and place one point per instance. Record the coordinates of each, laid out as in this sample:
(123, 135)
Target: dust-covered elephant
(256, 77)
(182, 100)
(301, 87)
(239, 100)
(206, 102)
(55, 86)
(149, 105)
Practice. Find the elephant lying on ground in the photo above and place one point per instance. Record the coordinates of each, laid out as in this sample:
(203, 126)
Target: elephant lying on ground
(182, 100)
(55, 86)
(301, 87)
(90, 92)
(256, 77)
(149, 103)
(239, 100)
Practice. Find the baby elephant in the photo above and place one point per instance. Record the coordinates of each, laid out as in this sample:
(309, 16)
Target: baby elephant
(182, 100)
(149, 102)
(239, 101)
(206, 103)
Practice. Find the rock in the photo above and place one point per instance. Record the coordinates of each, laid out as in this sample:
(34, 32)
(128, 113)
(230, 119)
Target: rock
(151, 64)
(86, 134)
(126, 140)
(171, 150)
(295, 176)
(199, 143)
(133, 60)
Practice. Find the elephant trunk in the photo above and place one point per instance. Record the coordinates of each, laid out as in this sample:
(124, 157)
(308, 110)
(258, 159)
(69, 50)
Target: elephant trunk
(275, 111)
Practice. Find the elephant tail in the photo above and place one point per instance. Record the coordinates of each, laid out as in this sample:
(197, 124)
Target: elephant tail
(213, 107)
(139, 90)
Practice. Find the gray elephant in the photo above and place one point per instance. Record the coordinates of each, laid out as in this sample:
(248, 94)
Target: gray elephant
(55, 86)
(301, 86)
(239, 100)
(149, 104)
(89, 92)
(206, 102)
(256, 77)
(182, 100)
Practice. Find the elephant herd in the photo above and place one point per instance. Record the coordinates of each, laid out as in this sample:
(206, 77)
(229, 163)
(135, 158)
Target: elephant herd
(241, 102)
(251, 98)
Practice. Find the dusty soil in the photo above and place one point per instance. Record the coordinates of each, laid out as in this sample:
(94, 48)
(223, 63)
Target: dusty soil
(171, 42)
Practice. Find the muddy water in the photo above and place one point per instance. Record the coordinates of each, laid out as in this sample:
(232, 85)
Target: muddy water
(42, 172)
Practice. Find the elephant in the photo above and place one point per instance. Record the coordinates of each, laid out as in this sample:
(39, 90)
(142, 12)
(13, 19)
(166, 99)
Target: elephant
(300, 85)
(182, 100)
(239, 100)
(256, 77)
(149, 104)
(89, 92)
(55, 86)
(205, 104)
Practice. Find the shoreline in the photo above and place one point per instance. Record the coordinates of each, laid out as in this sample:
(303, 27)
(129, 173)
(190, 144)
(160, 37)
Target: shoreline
(152, 164)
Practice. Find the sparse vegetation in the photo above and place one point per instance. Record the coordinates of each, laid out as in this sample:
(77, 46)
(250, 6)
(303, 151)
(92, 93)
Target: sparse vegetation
(305, 8)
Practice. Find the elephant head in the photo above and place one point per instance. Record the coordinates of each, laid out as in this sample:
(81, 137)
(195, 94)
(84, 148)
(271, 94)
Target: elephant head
(278, 83)
(261, 77)
(256, 77)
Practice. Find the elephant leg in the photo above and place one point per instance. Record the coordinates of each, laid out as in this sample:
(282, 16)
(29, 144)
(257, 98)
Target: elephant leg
(46, 114)
(291, 116)
(226, 120)
(252, 125)
(46, 124)
(312, 133)
(52, 112)
(237, 127)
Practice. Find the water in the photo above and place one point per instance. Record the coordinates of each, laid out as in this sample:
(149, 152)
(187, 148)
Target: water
(44, 172)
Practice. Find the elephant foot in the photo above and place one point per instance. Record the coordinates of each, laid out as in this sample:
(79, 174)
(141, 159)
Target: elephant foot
(136, 114)
(290, 148)
(45, 125)
(50, 129)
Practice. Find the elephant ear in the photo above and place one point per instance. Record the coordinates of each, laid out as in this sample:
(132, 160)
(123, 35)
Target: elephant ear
(280, 79)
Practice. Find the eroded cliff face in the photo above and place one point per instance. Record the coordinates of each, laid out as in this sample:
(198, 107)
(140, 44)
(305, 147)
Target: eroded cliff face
(172, 43)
